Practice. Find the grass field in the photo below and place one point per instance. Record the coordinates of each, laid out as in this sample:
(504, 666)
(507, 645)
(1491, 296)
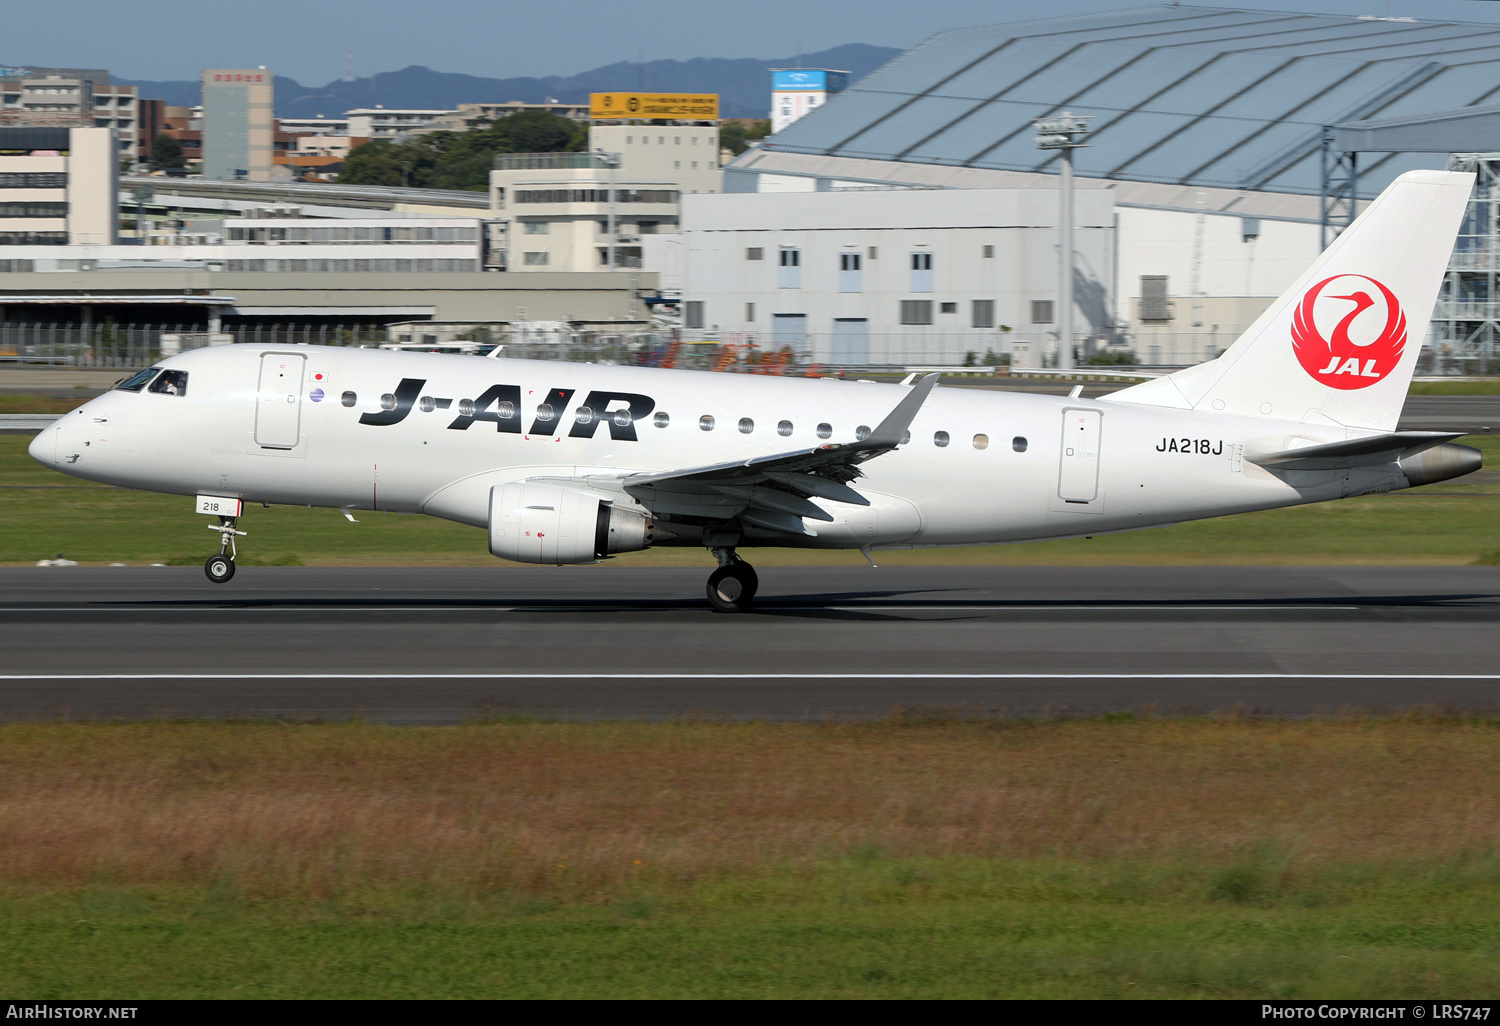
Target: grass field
(1101, 858)
(39, 404)
(1472, 386)
(43, 513)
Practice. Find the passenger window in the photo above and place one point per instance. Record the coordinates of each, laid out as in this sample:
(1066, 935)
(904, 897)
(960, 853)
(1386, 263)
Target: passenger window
(584, 415)
(622, 418)
(137, 381)
(504, 411)
(465, 406)
(427, 404)
(825, 430)
(388, 402)
(172, 382)
(544, 413)
(349, 399)
(940, 439)
(981, 441)
(705, 423)
(1018, 443)
(661, 420)
(905, 437)
(746, 425)
(862, 432)
(784, 429)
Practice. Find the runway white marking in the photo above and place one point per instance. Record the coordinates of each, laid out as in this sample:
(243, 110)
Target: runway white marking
(747, 676)
(623, 605)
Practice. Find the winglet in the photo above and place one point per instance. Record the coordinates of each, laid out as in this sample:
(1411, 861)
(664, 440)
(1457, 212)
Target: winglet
(898, 420)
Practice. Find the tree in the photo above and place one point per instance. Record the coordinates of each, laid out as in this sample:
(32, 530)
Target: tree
(735, 136)
(166, 152)
(460, 160)
(382, 162)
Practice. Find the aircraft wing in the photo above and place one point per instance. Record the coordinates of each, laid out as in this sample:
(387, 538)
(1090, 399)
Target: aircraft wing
(1356, 452)
(772, 491)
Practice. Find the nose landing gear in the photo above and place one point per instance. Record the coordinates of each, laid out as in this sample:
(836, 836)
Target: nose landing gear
(220, 568)
(732, 587)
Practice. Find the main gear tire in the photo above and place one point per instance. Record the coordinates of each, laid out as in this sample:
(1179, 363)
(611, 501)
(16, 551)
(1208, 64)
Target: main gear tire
(732, 588)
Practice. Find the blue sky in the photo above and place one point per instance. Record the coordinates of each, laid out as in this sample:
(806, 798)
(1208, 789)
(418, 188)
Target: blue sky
(307, 40)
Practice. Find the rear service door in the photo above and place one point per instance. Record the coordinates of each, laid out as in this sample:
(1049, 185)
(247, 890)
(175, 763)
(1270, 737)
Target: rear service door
(278, 401)
(1078, 478)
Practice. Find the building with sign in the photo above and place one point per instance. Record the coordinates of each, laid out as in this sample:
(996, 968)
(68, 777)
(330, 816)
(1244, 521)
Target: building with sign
(798, 91)
(660, 137)
(237, 124)
(654, 106)
(57, 186)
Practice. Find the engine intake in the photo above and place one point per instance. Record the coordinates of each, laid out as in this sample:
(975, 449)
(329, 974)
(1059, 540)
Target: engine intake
(532, 522)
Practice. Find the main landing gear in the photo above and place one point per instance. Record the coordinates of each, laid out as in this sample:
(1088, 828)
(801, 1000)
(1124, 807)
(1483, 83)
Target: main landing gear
(220, 568)
(732, 587)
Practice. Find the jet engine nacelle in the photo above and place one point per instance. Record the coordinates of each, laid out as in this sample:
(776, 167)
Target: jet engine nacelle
(532, 522)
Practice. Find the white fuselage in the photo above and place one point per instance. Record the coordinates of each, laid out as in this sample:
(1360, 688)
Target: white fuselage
(1016, 467)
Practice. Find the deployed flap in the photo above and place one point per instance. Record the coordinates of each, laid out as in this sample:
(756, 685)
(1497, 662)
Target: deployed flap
(744, 489)
(836, 460)
(1356, 452)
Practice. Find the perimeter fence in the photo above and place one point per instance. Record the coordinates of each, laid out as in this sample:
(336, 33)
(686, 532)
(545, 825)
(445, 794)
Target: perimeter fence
(129, 347)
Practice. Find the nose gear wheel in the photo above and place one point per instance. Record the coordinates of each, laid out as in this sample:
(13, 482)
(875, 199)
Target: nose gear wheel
(220, 568)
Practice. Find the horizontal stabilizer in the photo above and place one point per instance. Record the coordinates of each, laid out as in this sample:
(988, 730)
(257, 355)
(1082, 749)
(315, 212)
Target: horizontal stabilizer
(1370, 451)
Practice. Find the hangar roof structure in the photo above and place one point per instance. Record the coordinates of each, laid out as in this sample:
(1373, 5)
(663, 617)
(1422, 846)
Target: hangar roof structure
(1180, 95)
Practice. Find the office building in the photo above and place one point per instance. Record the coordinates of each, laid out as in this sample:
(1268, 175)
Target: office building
(57, 186)
(686, 155)
(237, 124)
(552, 212)
(65, 97)
(478, 115)
(393, 124)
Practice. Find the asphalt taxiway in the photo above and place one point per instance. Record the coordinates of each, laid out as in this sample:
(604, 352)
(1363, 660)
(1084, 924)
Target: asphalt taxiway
(448, 645)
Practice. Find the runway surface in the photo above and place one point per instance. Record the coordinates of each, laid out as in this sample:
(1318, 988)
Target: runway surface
(448, 645)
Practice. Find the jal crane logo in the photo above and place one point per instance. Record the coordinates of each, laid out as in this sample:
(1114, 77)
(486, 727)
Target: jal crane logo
(1366, 340)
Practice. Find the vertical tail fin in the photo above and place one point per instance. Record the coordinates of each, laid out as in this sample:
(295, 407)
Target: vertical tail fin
(1340, 345)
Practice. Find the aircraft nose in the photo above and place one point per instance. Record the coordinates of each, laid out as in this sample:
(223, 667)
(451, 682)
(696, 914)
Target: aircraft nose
(43, 447)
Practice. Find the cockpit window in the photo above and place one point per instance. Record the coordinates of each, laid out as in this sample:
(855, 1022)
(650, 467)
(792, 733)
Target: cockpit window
(172, 382)
(137, 381)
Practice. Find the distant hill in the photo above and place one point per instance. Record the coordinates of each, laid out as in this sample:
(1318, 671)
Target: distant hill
(743, 85)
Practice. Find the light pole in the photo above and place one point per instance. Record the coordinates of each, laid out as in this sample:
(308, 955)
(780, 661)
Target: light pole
(611, 161)
(1064, 134)
(143, 194)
